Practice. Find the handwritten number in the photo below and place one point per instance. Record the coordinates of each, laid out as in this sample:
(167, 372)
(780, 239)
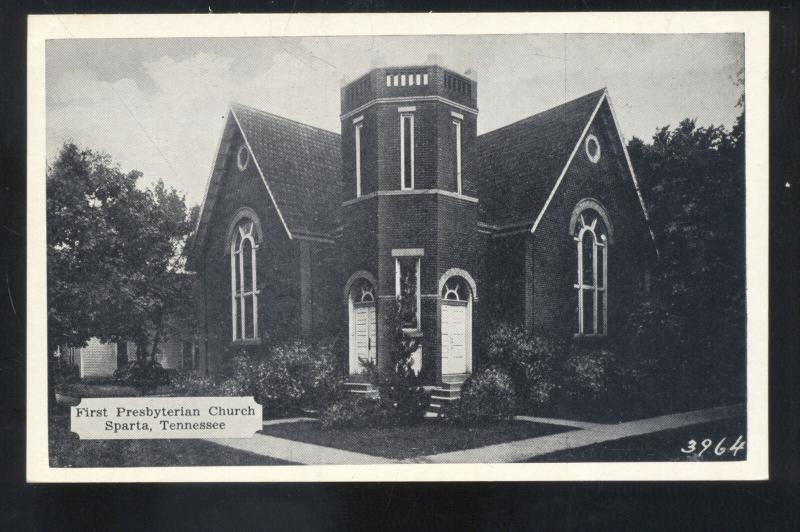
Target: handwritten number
(737, 446)
(706, 444)
(719, 450)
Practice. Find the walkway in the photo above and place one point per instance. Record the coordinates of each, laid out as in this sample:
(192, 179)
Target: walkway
(516, 451)
(521, 450)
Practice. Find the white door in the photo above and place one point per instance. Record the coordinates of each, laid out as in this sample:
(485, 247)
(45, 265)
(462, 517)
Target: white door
(454, 337)
(364, 332)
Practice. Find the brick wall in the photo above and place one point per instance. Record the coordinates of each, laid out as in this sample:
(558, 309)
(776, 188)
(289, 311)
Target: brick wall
(444, 227)
(278, 265)
(503, 280)
(554, 250)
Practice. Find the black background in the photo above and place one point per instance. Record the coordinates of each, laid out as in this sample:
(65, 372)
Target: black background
(773, 505)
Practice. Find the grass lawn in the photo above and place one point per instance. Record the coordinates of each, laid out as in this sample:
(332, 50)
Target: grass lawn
(105, 389)
(661, 446)
(66, 450)
(429, 437)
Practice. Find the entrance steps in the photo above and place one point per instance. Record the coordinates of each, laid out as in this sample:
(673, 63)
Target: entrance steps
(446, 393)
(441, 394)
(365, 389)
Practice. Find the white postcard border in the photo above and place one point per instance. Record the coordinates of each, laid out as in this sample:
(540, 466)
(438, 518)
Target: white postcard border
(754, 25)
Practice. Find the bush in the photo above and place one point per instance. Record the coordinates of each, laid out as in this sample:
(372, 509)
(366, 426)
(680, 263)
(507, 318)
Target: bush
(531, 361)
(288, 377)
(354, 412)
(64, 373)
(589, 375)
(402, 400)
(142, 375)
(487, 395)
(193, 384)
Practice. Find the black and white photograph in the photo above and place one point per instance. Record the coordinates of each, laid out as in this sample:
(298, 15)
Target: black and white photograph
(531, 251)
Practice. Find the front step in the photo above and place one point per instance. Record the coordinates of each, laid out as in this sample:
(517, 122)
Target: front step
(365, 389)
(444, 394)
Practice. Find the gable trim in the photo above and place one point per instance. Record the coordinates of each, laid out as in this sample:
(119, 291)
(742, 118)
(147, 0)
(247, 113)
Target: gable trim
(605, 97)
(633, 174)
(261, 173)
(569, 161)
(224, 140)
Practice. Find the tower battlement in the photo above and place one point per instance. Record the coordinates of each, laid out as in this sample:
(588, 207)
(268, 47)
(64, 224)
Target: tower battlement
(409, 82)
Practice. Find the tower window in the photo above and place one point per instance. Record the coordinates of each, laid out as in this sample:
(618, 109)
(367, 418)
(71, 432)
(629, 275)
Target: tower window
(407, 291)
(358, 158)
(457, 143)
(406, 151)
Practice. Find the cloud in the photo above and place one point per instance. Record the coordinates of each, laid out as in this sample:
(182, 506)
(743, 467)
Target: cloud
(167, 133)
(159, 106)
(171, 131)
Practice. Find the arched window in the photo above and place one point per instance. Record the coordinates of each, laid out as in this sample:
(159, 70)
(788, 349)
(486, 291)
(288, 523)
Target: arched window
(244, 288)
(591, 231)
(455, 289)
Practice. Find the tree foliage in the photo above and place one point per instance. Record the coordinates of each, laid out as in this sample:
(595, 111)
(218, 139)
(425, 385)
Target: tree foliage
(403, 400)
(114, 253)
(693, 181)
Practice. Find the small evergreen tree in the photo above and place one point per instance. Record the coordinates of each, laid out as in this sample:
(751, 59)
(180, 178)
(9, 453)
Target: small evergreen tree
(403, 399)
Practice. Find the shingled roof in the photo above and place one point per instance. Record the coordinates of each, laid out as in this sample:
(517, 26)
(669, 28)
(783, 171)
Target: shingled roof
(519, 164)
(299, 164)
(302, 165)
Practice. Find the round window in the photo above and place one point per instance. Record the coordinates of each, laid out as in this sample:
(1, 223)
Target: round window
(243, 157)
(592, 148)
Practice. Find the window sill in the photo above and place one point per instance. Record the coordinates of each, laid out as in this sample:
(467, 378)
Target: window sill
(413, 333)
(246, 341)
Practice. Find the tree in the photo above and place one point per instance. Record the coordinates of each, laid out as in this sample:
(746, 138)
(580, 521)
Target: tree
(692, 179)
(114, 254)
(401, 396)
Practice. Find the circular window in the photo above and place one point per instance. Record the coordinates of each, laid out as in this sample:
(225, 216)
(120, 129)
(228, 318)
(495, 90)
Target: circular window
(243, 157)
(592, 148)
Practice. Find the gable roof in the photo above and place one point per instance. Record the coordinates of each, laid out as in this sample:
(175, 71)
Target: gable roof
(520, 164)
(300, 166)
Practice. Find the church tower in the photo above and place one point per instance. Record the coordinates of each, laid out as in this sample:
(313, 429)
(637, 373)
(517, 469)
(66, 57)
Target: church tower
(409, 216)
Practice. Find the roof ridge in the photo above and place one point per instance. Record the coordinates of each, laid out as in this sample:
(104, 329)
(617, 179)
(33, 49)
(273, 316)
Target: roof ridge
(598, 92)
(280, 117)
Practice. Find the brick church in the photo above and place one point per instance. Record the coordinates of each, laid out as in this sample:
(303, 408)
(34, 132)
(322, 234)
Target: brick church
(308, 233)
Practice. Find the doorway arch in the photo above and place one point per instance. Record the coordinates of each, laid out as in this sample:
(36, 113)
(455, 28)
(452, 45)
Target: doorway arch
(362, 323)
(457, 293)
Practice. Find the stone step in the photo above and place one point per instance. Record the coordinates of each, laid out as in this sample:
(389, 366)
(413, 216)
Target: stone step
(447, 393)
(361, 388)
(358, 385)
(444, 398)
(437, 402)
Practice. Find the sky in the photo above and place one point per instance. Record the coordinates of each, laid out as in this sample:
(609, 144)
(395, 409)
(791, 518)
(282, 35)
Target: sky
(158, 105)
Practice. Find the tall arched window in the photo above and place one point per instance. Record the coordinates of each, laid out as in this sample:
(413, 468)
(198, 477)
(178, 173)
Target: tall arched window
(244, 289)
(591, 230)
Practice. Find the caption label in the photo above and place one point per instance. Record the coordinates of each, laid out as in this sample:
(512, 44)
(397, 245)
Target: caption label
(145, 418)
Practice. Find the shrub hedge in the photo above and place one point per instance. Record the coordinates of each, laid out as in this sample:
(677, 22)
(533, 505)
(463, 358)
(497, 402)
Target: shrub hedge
(487, 395)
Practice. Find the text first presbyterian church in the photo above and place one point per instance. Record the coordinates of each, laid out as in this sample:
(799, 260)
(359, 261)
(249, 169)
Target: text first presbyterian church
(308, 233)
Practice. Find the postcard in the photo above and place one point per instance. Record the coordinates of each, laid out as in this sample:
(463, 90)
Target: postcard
(395, 247)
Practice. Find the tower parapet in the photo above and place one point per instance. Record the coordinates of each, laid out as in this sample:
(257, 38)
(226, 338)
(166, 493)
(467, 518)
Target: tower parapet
(409, 82)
